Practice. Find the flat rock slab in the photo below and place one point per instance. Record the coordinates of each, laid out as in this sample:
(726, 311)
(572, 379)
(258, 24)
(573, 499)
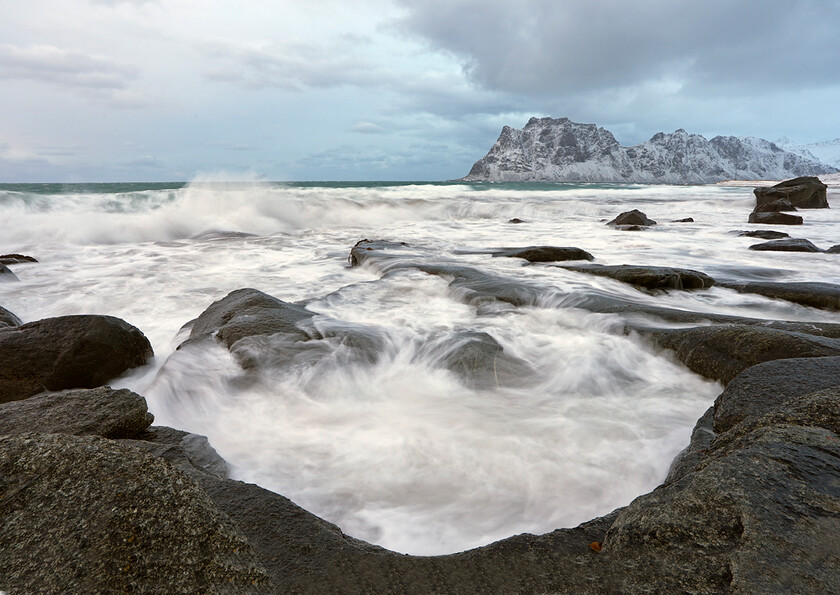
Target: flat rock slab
(765, 234)
(761, 389)
(648, 277)
(6, 274)
(104, 411)
(806, 192)
(632, 218)
(825, 296)
(721, 352)
(787, 245)
(85, 514)
(545, 253)
(775, 219)
(53, 354)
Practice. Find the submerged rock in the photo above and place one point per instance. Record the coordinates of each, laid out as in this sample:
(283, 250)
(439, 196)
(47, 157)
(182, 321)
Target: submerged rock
(87, 514)
(775, 219)
(545, 253)
(648, 277)
(104, 411)
(632, 218)
(806, 192)
(53, 354)
(721, 352)
(686, 220)
(8, 319)
(813, 294)
(834, 249)
(6, 274)
(787, 245)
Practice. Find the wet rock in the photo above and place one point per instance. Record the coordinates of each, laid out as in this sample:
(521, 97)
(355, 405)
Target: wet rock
(85, 514)
(693, 455)
(648, 277)
(721, 352)
(686, 220)
(104, 411)
(54, 354)
(806, 192)
(516, 220)
(787, 245)
(362, 250)
(189, 452)
(775, 206)
(761, 389)
(477, 288)
(6, 274)
(15, 259)
(765, 234)
(8, 319)
(632, 218)
(834, 249)
(775, 219)
(545, 253)
(825, 296)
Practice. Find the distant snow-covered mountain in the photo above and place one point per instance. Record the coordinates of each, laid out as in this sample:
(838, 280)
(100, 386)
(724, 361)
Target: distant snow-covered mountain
(559, 150)
(827, 152)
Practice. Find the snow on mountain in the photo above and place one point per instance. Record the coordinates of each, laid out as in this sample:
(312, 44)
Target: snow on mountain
(827, 152)
(559, 150)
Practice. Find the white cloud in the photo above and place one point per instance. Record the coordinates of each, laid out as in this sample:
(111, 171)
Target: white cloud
(66, 68)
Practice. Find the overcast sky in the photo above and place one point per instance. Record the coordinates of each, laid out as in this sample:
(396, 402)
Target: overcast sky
(137, 90)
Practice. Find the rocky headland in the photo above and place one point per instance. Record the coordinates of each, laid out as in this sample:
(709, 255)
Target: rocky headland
(94, 498)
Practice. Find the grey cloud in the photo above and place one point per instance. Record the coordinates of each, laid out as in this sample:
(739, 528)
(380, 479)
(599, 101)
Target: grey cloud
(545, 46)
(367, 128)
(62, 67)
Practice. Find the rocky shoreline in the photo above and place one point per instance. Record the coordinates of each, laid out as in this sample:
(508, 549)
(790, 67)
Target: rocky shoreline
(93, 497)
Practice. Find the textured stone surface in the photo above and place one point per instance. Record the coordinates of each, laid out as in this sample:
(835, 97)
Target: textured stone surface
(6, 274)
(631, 218)
(91, 515)
(721, 352)
(8, 319)
(545, 253)
(806, 192)
(104, 411)
(765, 234)
(67, 352)
(15, 259)
(649, 277)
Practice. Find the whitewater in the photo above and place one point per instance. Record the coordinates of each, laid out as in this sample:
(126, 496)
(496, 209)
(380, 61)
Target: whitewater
(401, 451)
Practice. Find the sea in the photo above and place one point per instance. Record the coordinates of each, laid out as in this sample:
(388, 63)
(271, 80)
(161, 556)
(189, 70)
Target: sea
(400, 451)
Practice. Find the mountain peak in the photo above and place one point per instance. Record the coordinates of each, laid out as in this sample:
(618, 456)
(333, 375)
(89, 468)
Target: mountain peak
(559, 150)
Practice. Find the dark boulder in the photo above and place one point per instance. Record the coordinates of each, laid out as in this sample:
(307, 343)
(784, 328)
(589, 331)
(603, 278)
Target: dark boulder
(775, 219)
(53, 354)
(834, 249)
(104, 411)
(686, 220)
(362, 250)
(765, 234)
(6, 274)
(192, 453)
(632, 218)
(545, 253)
(787, 245)
(721, 352)
(775, 206)
(763, 388)
(516, 220)
(15, 259)
(8, 319)
(806, 192)
(84, 514)
(648, 277)
(825, 296)
(692, 456)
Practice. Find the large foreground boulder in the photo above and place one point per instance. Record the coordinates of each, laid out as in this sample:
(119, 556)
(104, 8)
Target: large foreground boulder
(53, 354)
(721, 352)
(806, 192)
(104, 411)
(91, 515)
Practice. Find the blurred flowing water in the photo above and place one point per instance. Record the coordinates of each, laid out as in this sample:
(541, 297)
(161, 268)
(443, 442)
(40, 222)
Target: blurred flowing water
(399, 450)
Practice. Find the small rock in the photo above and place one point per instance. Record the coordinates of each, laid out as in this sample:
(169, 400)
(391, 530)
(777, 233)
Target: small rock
(15, 259)
(775, 219)
(765, 234)
(686, 220)
(634, 217)
(787, 245)
(8, 319)
(516, 220)
(6, 274)
(834, 249)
